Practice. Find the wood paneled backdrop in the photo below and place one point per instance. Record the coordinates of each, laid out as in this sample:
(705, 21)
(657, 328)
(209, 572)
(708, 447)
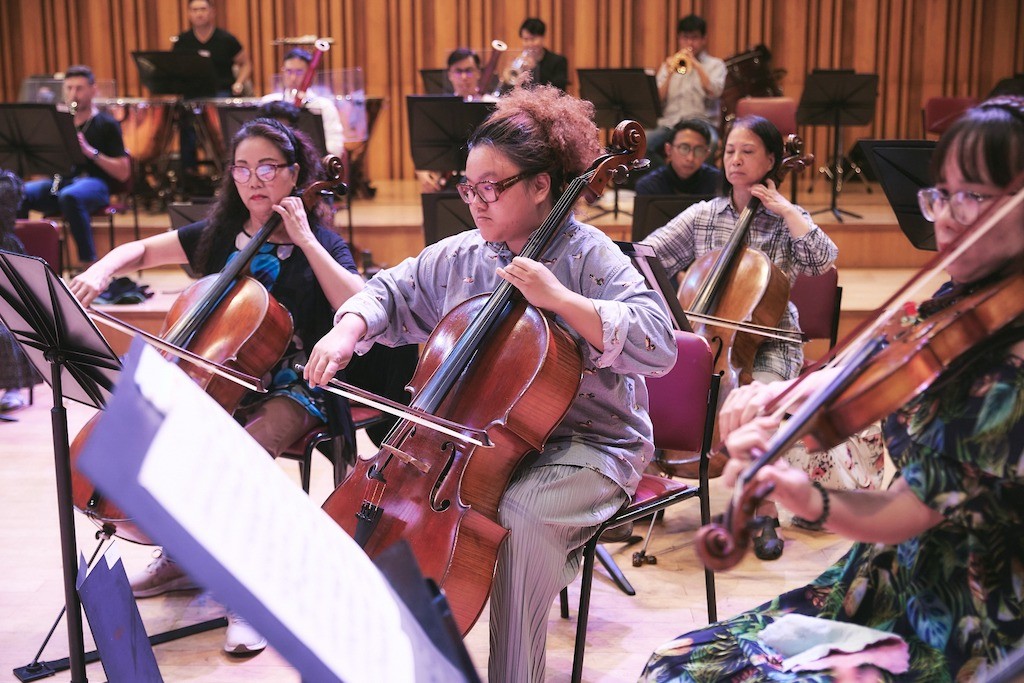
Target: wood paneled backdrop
(919, 48)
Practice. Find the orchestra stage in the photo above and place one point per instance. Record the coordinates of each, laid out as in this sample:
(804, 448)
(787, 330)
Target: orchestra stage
(874, 259)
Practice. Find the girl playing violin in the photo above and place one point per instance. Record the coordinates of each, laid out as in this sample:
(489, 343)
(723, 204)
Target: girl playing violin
(520, 161)
(790, 238)
(308, 269)
(938, 558)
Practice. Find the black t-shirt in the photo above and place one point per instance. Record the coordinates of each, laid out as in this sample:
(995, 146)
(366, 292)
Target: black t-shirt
(103, 133)
(706, 180)
(221, 48)
(296, 286)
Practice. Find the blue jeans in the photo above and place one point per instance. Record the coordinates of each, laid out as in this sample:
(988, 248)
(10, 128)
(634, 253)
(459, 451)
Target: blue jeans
(76, 202)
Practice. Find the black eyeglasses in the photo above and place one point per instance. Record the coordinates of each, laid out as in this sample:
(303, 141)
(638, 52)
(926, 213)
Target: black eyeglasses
(964, 206)
(699, 151)
(265, 172)
(488, 190)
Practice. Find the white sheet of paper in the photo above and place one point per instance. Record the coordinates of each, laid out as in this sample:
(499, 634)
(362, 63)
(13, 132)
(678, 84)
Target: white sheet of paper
(218, 483)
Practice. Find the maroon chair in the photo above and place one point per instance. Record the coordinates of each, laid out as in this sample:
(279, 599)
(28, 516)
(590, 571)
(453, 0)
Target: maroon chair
(818, 300)
(781, 111)
(682, 409)
(939, 113)
(41, 238)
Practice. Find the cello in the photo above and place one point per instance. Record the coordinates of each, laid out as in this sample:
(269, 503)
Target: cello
(883, 365)
(436, 492)
(737, 296)
(229, 319)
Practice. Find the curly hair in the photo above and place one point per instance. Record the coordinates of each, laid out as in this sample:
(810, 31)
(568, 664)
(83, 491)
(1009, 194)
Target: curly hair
(229, 212)
(543, 130)
(987, 141)
(12, 192)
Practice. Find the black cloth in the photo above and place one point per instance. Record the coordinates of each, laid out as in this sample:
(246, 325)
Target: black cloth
(707, 180)
(221, 48)
(552, 69)
(16, 371)
(103, 133)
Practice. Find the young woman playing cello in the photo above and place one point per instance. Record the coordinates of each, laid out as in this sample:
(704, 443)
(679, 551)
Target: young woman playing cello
(938, 558)
(308, 269)
(519, 164)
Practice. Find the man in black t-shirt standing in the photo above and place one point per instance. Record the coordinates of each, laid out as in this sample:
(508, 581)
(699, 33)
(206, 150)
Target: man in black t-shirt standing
(88, 186)
(207, 40)
(204, 38)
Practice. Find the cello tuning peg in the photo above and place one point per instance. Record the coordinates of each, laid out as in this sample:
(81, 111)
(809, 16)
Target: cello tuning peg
(641, 164)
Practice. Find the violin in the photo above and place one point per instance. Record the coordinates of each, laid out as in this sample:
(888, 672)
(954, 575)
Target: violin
(228, 318)
(737, 296)
(493, 363)
(881, 368)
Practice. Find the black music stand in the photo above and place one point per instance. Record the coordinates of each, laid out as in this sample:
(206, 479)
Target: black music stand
(37, 139)
(652, 211)
(444, 215)
(233, 117)
(837, 98)
(435, 81)
(61, 342)
(617, 95)
(176, 73)
(903, 167)
(440, 127)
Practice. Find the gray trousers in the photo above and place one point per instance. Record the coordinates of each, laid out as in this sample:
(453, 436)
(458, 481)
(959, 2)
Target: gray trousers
(551, 512)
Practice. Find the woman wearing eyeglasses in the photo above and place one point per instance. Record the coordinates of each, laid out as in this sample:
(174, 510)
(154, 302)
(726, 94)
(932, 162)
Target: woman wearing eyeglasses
(520, 162)
(939, 558)
(308, 269)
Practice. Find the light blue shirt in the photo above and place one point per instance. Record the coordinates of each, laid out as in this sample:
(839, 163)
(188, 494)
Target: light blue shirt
(607, 428)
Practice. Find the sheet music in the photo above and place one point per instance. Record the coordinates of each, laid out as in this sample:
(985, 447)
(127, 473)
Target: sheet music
(222, 487)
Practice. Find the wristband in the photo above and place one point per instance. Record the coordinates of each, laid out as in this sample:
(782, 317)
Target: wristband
(819, 523)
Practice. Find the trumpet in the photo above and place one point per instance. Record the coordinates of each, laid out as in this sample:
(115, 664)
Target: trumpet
(680, 61)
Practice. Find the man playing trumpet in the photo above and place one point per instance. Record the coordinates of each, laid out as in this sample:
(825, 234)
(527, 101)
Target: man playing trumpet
(690, 83)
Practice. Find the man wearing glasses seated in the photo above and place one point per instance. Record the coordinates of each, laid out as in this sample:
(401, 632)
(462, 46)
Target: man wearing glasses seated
(686, 170)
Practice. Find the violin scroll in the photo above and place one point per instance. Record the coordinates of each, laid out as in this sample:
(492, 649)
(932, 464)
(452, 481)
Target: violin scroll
(333, 184)
(795, 159)
(630, 139)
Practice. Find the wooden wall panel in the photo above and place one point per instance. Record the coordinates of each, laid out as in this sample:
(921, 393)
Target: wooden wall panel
(919, 48)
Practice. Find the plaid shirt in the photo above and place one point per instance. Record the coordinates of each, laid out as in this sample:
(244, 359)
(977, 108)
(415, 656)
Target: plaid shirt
(708, 225)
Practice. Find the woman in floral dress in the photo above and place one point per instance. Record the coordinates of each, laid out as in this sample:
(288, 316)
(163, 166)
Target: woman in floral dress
(939, 558)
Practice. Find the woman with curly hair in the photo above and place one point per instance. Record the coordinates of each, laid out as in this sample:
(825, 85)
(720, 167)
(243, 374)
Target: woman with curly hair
(308, 269)
(520, 162)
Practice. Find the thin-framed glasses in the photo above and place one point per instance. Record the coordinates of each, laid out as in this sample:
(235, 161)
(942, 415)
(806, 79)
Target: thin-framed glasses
(265, 172)
(700, 151)
(488, 190)
(964, 206)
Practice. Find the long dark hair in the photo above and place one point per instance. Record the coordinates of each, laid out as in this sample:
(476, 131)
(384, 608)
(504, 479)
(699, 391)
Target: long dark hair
(230, 214)
(988, 141)
(12, 192)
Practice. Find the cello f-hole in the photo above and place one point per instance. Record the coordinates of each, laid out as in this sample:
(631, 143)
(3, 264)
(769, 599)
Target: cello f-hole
(435, 504)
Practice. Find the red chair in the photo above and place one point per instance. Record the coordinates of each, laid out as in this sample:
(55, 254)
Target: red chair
(682, 409)
(818, 300)
(939, 113)
(781, 111)
(41, 238)
(338, 450)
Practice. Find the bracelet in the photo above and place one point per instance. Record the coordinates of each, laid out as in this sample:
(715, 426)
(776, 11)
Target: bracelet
(819, 523)
(95, 153)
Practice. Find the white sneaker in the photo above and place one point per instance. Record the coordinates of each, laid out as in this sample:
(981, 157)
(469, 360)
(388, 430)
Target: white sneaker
(241, 638)
(161, 576)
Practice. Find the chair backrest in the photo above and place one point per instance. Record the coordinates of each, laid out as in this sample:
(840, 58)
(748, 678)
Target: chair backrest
(939, 113)
(818, 299)
(41, 238)
(779, 110)
(680, 400)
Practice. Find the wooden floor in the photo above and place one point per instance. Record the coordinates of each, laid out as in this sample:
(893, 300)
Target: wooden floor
(623, 630)
(875, 258)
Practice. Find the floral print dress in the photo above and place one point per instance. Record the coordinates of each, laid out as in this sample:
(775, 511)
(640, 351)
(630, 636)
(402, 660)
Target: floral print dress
(954, 593)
